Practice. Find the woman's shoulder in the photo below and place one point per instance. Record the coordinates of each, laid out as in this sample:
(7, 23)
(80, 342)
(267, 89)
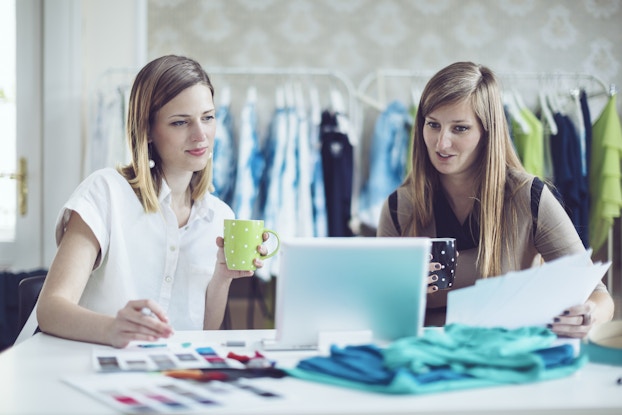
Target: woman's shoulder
(104, 184)
(519, 183)
(519, 177)
(395, 212)
(105, 175)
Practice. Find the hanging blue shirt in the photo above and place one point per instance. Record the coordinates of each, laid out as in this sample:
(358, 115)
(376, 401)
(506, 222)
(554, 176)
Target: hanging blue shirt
(388, 158)
(224, 169)
(249, 167)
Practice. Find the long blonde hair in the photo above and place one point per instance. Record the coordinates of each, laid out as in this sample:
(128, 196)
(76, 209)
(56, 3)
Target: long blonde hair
(156, 84)
(478, 84)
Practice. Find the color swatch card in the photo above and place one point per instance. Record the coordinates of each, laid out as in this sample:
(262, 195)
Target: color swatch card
(154, 393)
(147, 357)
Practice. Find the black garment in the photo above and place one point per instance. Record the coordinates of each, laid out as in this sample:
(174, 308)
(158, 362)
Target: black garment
(467, 235)
(566, 155)
(585, 208)
(337, 166)
(448, 226)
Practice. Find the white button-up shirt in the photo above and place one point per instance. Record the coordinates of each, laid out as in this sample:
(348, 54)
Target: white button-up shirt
(146, 255)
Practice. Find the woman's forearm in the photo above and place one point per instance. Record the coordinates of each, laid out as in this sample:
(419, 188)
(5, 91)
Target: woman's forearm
(216, 298)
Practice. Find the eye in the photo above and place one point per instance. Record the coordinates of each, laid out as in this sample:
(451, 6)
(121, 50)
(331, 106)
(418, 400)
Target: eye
(208, 118)
(178, 123)
(432, 124)
(461, 128)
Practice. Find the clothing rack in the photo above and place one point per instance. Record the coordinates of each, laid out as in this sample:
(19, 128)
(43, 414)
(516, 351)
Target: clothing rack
(380, 76)
(120, 77)
(379, 102)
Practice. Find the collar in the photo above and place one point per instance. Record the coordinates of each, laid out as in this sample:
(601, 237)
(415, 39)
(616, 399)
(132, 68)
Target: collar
(201, 209)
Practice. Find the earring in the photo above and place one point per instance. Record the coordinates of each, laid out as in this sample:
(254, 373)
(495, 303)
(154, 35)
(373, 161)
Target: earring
(151, 164)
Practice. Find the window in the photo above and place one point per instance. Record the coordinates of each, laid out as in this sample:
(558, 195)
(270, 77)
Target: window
(8, 203)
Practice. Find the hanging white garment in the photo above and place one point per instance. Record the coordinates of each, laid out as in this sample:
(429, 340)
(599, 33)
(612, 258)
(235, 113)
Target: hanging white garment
(305, 168)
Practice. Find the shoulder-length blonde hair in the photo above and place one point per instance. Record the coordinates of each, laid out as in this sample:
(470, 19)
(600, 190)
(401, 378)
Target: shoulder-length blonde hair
(156, 84)
(476, 83)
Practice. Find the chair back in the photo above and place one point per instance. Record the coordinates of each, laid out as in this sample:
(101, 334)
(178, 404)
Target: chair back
(28, 294)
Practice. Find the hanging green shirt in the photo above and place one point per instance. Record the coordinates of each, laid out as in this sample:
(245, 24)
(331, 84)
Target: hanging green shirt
(530, 145)
(605, 176)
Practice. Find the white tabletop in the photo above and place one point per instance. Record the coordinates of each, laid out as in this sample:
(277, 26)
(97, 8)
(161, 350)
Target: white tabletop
(31, 373)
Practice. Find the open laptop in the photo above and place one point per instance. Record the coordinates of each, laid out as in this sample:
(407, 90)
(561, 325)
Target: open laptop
(341, 284)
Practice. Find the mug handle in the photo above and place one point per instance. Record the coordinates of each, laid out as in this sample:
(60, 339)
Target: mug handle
(278, 244)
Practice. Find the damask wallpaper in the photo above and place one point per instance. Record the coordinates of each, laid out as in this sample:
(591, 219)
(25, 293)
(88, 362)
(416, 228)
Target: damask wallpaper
(359, 36)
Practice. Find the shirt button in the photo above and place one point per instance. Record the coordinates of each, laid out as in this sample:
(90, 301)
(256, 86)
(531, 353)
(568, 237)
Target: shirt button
(173, 247)
(168, 279)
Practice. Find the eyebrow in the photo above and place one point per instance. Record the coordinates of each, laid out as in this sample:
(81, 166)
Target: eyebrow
(187, 115)
(452, 121)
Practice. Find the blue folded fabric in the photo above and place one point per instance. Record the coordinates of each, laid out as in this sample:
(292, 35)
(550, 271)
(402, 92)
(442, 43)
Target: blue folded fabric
(457, 357)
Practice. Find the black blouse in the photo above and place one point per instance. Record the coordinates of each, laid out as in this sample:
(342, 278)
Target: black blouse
(448, 226)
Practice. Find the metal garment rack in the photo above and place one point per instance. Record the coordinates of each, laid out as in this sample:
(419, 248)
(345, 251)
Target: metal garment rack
(337, 77)
(380, 76)
(379, 102)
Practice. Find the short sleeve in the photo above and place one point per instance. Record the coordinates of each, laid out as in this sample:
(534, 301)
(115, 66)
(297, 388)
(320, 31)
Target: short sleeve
(92, 200)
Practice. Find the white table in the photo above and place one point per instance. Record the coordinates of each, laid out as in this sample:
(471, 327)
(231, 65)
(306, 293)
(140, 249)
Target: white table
(30, 383)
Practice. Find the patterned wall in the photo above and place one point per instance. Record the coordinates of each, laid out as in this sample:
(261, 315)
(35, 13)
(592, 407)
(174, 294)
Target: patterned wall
(359, 36)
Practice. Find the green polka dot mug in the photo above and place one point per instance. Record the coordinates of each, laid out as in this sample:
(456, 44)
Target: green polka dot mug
(242, 237)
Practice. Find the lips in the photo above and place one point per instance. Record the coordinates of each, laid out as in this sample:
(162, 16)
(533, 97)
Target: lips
(198, 151)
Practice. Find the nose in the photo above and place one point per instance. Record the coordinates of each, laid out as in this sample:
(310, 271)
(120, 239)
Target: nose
(198, 132)
(443, 142)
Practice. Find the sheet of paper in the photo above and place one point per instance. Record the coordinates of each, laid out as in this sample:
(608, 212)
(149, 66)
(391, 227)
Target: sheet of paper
(524, 298)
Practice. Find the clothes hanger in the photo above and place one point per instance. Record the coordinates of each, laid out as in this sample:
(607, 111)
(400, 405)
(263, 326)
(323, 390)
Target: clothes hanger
(314, 101)
(225, 96)
(415, 95)
(336, 100)
(546, 112)
(251, 95)
(290, 101)
(279, 97)
(509, 100)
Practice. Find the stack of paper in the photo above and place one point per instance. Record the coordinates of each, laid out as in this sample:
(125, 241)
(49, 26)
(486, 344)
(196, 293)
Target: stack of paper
(531, 297)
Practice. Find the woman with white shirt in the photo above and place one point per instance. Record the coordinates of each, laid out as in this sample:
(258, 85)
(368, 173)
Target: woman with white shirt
(148, 235)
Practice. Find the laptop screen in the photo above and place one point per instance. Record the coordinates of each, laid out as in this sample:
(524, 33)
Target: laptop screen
(342, 284)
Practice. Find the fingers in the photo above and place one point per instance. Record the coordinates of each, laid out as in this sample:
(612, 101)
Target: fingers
(143, 320)
(575, 321)
(435, 266)
(262, 249)
(150, 308)
(432, 287)
(432, 278)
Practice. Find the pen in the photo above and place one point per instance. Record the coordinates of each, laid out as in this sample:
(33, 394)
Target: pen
(234, 343)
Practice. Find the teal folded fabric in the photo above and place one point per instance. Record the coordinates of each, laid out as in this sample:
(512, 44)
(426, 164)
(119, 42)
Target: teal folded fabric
(456, 357)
